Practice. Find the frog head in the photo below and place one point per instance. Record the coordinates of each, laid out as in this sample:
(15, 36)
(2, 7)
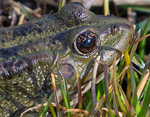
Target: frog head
(86, 37)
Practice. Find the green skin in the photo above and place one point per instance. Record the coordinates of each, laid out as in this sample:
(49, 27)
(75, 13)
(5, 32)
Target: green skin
(29, 53)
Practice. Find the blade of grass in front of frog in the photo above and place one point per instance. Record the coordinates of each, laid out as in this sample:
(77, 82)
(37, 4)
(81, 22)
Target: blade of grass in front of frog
(114, 98)
(88, 95)
(46, 108)
(120, 114)
(94, 109)
(55, 94)
(42, 106)
(106, 75)
(61, 4)
(146, 66)
(88, 100)
(120, 67)
(64, 94)
(27, 14)
(123, 95)
(134, 46)
(143, 42)
(146, 99)
(79, 91)
(142, 84)
(100, 86)
(100, 89)
(89, 105)
(135, 101)
(138, 61)
(118, 96)
(119, 79)
(93, 83)
(128, 63)
(76, 110)
(52, 110)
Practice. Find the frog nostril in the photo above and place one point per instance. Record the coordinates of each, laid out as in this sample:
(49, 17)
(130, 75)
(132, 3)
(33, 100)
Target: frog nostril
(66, 70)
(113, 29)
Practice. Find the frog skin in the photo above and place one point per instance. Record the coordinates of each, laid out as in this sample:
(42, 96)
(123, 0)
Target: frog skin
(64, 43)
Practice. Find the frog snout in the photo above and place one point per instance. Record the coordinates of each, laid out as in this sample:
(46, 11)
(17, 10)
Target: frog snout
(66, 70)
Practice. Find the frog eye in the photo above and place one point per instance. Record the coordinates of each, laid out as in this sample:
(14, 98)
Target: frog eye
(86, 42)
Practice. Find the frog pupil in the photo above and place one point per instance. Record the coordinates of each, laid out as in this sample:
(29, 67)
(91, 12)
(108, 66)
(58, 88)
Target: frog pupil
(88, 41)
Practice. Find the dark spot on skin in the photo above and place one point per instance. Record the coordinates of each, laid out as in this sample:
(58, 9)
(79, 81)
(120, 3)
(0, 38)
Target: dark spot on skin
(46, 87)
(16, 66)
(26, 29)
(3, 41)
(39, 23)
(6, 53)
(23, 31)
(39, 30)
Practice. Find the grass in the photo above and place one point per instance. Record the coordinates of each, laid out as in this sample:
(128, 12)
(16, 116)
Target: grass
(108, 97)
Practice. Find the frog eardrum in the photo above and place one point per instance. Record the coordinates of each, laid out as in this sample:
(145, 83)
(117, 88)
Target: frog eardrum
(86, 43)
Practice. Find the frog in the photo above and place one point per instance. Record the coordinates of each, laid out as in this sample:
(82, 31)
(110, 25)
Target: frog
(66, 44)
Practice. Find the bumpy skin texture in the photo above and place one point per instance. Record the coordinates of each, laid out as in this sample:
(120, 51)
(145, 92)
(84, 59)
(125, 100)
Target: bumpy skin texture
(29, 53)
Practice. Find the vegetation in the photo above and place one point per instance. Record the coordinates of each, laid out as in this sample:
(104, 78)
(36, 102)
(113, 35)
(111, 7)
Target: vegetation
(125, 92)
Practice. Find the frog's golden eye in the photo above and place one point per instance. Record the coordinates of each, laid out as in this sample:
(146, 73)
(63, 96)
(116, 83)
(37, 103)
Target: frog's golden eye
(86, 42)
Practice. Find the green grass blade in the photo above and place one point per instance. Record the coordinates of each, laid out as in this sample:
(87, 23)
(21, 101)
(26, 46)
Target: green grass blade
(117, 94)
(100, 89)
(135, 8)
(65, 95)
(143, 42)
(46, 107)
(128, 63)
(89, 105)
(134, 92)
(146, 100)
(27, 14)
(141, 25)
(52, 110)
(134, 47)
(61, 4)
